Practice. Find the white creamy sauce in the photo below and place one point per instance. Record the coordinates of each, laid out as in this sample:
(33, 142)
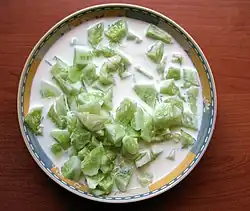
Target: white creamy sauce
(64, 49)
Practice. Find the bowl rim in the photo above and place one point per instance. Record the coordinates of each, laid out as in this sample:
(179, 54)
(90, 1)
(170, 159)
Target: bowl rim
(134, 6)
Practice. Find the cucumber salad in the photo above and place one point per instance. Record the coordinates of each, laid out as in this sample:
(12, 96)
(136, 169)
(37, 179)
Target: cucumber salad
(122, 91)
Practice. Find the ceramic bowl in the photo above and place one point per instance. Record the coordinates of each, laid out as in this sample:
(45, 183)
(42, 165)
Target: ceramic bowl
(188, 44)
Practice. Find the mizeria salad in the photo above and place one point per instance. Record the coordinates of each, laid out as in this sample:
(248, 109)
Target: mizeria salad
(127, 89)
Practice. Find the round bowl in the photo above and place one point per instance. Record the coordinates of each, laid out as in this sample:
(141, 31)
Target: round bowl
(187, 43)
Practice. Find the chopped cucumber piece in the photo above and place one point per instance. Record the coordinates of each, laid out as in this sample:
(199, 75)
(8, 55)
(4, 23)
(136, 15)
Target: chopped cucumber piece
(146, 131)
(189, 121)
(156, 52)
(144, 158)
(138, 121)
(192, 94)
(59, 120)
(132, 37)
(191, 77)
(147, 92)
(83, 153)
(60, 68)
(92, 162)
(107, 168)
(108, 160)
(174, 73)
(33, 120)
(72, 121)
(115, 134)
(56, 149)
(168, 87)
(105, 77)
(117, 31)
(177, 58)
(90, 108)
(49, 90)
(106, 184)
(125, 75)
(91, 98)
(104, 51)
(72, 168)
(93, 181)
(158, 34)
(186, 139)
(130, 145)
(167, 115)
(74, 74)
(125, 60)
(80, 138)
(101, 87)
(171, 155)
(94, 141)
(97, 192)
(122, 177)
(95, 34)
(161, 134)
(175, 100)
(58, 112)
(62, 137)
(70, 89)
(82, 56)
(92, 122)
(107, 100)
(114, 63)
(145, 179)
(131, 132)
(155, 153)
(161, 67)
(144, 72)
(125, 112)
(61, 105)
(89, 75)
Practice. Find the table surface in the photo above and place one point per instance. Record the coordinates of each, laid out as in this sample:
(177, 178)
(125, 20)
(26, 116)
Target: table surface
(220, 181)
